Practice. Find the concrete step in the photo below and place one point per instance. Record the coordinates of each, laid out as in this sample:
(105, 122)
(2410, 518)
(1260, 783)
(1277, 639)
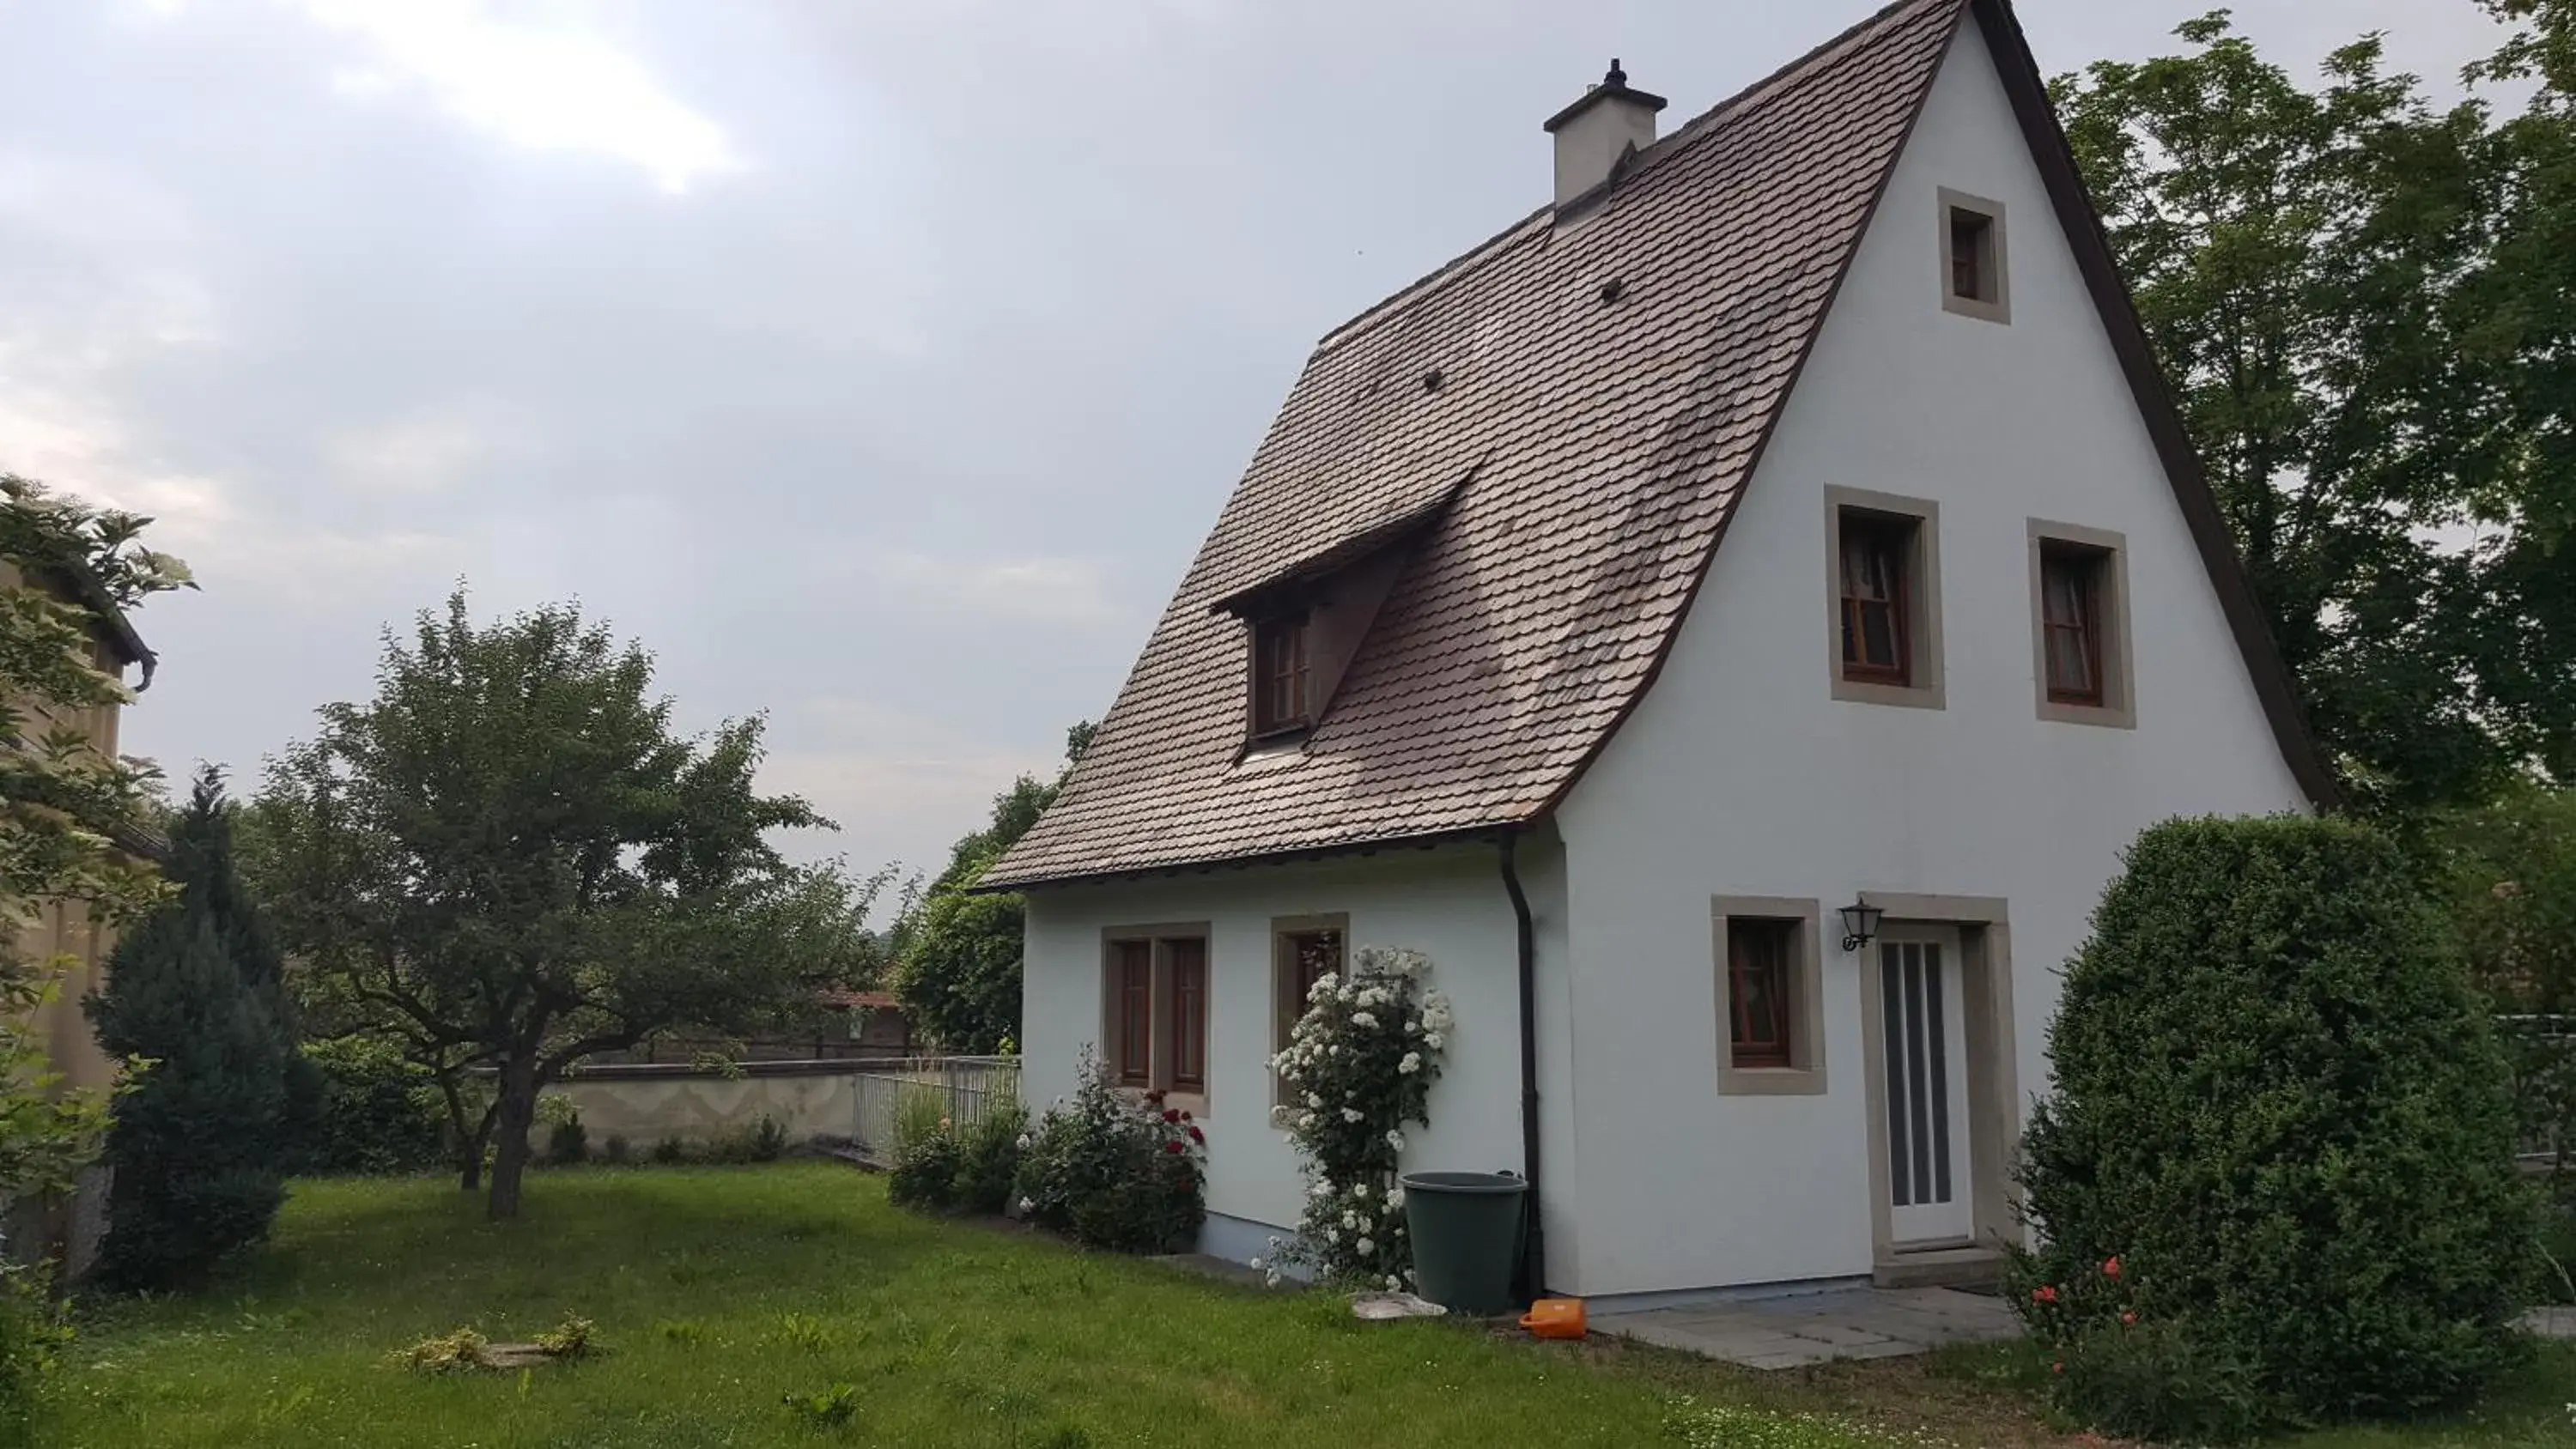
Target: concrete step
(1942, 1268)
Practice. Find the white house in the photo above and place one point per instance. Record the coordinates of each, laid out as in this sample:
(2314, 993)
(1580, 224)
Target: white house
(1787, 516)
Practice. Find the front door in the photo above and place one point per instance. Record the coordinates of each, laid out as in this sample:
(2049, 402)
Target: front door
(1923, 1080)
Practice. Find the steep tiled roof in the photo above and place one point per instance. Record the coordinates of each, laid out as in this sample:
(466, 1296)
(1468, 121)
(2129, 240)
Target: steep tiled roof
(1612, 437)
(1604, 436)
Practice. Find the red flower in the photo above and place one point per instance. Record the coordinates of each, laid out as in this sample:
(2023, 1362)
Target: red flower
(1185, 1116)
(2058, 1367)
(1171, 1114)
(1155, 1096)
(2111, 1269)
(1172, 1146)
(2128, 1318)
(2044, 1293)
(1197, 1136)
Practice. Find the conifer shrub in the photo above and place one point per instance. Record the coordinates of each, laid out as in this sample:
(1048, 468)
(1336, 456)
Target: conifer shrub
(2279, 1141)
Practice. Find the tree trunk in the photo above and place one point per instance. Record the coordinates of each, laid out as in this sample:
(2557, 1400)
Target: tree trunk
(467, 1140)
(513, 1117)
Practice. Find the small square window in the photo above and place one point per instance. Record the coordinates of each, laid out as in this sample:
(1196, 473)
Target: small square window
(1770, 997)
(1279, 675)
(1885, 590)
(2079, 607)
(1975, 281)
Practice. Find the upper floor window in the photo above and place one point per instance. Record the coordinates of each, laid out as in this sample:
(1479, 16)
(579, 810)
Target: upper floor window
(2070, 594)
(1974, 281)
(2079, 606)
(1279, 674)
(1886, 598)
(1874, 599)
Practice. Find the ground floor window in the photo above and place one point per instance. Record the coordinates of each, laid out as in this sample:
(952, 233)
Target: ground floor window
(1303, 950)
(1154, 1031)
(1770, 1038)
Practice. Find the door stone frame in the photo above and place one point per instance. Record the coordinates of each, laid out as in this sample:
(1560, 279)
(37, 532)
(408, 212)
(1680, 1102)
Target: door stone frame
(1986, 1006)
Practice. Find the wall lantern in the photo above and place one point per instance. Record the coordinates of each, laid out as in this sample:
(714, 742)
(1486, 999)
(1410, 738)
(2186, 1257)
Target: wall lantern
(1860, 922)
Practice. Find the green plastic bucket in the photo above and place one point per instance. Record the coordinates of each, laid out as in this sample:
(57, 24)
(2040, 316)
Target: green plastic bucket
(1466, 1229)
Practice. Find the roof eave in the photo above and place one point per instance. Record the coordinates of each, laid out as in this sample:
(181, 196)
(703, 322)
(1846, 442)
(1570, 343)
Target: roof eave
(1431, 840)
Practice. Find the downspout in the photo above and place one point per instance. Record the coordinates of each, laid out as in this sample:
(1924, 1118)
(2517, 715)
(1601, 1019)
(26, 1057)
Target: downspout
(1533, 1265)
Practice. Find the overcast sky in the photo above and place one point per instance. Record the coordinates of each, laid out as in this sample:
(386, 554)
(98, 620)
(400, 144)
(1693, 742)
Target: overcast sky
(878, 362)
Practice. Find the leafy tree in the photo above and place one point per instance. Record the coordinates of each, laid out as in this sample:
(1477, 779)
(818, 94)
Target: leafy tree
(64, 806)
(508, 859)
(199, 1142)
(957, 953)
(2342, 284)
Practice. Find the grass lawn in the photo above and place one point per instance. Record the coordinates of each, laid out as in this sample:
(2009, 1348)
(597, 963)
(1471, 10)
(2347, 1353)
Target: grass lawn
(719, 1291)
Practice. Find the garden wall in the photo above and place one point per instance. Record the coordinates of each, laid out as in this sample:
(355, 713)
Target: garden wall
(645, 1104)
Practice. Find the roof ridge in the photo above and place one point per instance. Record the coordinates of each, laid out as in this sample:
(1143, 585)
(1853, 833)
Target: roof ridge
(1689, 131)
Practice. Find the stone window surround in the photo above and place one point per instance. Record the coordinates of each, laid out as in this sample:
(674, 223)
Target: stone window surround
(1923, 599)
(1805, 1074)
(1994, 1101)
(1282, 1016)
(1998, 309)
(1159, 1074)
(2119, 706)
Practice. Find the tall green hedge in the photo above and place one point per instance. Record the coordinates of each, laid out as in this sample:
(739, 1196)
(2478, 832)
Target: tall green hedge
(2280, 1106)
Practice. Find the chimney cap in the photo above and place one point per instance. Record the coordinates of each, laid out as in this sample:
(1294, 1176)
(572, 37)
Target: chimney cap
(1614, 87)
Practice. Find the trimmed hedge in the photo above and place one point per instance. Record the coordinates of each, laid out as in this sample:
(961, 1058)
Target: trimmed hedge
(2281, 1108)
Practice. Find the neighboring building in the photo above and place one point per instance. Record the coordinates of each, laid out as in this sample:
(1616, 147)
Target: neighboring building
(64, 930)
(1790, 515)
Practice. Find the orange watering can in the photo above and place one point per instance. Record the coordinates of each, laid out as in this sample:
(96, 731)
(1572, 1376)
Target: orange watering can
(1555, 1318)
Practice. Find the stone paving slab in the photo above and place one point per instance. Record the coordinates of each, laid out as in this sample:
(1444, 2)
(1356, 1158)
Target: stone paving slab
(1814, 1328)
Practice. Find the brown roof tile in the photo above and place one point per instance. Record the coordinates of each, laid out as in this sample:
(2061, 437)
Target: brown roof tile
(1607, 443)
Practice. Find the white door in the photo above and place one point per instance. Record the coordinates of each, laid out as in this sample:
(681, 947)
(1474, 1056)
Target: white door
(1923, 1080)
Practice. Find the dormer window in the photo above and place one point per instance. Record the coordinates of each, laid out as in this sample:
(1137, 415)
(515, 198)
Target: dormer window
(1279, 675)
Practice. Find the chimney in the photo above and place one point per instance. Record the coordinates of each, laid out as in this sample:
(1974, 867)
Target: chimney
(1595, 133)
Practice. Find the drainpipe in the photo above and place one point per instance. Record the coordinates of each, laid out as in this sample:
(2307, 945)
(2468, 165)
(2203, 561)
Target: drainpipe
(1533, 1266)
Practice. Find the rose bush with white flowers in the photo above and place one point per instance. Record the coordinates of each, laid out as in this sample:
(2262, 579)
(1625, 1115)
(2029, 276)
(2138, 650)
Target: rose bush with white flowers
(1359, 1068)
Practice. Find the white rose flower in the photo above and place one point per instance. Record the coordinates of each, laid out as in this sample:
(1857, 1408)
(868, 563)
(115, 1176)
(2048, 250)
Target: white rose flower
(1024, 1142)
(1395, 1197)
(1360, 1192)
(1395, 1139)
(1364, 1019)
(1393, 1283)
(1027, 1203)
(1314, 1099)
(1305, 1119)
(1332, 1235)
(1350, 1114)
(1350, 1220)
(1412, 1063)
(1365, 1246)
(1254, 1265)
(1434, 1040)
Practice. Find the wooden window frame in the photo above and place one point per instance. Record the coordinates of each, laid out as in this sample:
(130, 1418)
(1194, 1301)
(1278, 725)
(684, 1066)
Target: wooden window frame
(1760, 946)
(1186, 1034)
(1163, 1023)
(1892, 537)
(1288, 996)
(2083, 570)
(1921, 683)
(1267, 720)
(1801, 1072)
(2117, 708)
(1992, 301)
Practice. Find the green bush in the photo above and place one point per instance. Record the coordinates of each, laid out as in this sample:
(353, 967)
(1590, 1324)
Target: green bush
(2281, 1108)
(1114, 1172)
(567, 1143)
(380, 1114)
(32, 1334)
(670, 1150)
(616, 1151)
(988, 1156)
(927, 1150)
(762, 1141)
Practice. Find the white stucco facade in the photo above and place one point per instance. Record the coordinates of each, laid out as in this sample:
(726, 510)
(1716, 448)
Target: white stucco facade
(1741, 775)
